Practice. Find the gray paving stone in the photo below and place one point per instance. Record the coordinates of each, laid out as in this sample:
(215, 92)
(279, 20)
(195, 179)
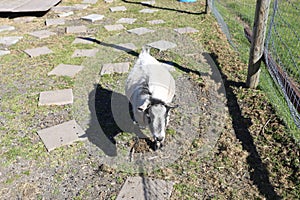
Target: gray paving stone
(10, 40)
(38, 51)
(114, 27)
(65, 14)
(118, 9)
(162, 45)
(6, 28)
(4, 52)
(66, 70)
(62, 9)
(148, 2)
(56, 21)
(127, 47)
(76, 29)
(108, 1)
(61, 135)
(159, 21)
(93, 17)
(147, 10)
(126, 21)
(82, 41)
(85, 53)
(90, 1)
(141, 31)
(56, 97)
(42, 34)
(186, 30)
(24, 19)
(111, 68)
(143, 188)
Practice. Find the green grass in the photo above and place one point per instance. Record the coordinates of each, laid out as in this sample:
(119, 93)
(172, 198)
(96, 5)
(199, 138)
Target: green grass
(235, 13)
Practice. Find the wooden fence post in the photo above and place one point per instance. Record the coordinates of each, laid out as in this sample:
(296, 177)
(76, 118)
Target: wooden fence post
(257, 45)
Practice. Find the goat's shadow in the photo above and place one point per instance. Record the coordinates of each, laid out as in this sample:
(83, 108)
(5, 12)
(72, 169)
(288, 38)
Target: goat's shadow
(110, 115)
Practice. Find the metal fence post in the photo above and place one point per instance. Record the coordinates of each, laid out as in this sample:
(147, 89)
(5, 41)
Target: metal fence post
(257, 45)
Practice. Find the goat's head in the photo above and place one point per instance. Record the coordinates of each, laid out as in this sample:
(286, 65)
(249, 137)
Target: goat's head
(157, 116)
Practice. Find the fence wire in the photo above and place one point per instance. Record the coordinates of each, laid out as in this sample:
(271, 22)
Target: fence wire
(282, 46)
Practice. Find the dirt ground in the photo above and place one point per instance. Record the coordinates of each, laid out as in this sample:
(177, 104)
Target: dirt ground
(225, 141)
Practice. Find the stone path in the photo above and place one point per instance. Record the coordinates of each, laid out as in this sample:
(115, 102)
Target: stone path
(69, 132)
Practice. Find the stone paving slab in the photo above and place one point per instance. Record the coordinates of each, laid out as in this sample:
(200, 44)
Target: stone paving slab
(65, 14)
(85, 53)
(16, 6)
(158, 21)
(162, 45)
(55, 21)
(61, 135)
(109, 1)
(114, 27)
(82, 41)
(118, 9)
(6, 28)
(24, 19)
(111, 68)
(90, 1)
(76, 29)
(147, 10)
(186, 30)
(93, 17)
(126, 21)
(56, 97)
(38, 51)
(141, 188)
(148, 2)
(4, 52)
(10, 40)
(141, 31)
(66, 70)
(62, 9)
(127, 47)
(42, 34)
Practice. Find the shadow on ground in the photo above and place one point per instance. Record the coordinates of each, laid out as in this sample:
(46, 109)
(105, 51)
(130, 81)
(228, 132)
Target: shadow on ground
(258, 171)
(111, 115)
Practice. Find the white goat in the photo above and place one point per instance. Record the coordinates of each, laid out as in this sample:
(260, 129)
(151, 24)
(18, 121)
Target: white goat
(150, 88)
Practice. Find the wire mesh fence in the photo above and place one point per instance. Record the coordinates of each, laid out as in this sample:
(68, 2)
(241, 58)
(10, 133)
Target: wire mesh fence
(282, 52)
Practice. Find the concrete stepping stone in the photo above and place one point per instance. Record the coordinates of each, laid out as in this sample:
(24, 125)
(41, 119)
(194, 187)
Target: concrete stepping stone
(65, 14)
(148, 2)
(76, 29)
(62, 9)
(143, 188)
(147, 10)
(111, 68)
(85, 53)
(82, 41)
(90, 1)
(6, 28)
(10, 40)
(141, 31)
(126, 21)
(186, 30)
(24, 19)
(114, 27)
(56, 97)
(118, 9)
(38, 51)
(93, 17)
(56, 21)
(42, 34)
(66, 70)
(158, 21)
(61, 135)
(4, 52)
(108, 1)
(162, 45)
(127, 47)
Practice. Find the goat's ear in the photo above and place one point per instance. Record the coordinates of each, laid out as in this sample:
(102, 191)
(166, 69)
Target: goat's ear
(145, 105)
